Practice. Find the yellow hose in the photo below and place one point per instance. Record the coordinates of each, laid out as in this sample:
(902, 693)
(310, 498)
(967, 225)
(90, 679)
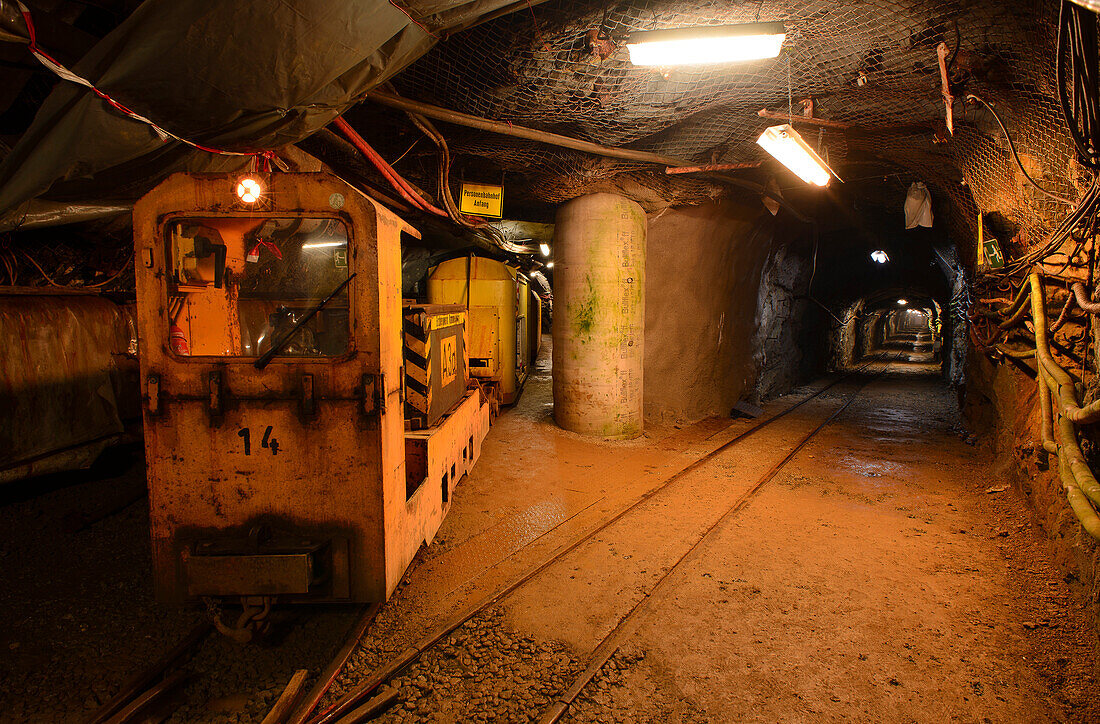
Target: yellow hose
(1055, 384)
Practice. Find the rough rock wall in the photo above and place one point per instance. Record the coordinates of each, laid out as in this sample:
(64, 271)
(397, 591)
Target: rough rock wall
(1000, 406)
(789, 328)
(845, 339)
(705, 268)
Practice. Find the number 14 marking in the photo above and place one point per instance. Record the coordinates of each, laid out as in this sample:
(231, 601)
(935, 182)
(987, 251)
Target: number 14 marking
(268, 442)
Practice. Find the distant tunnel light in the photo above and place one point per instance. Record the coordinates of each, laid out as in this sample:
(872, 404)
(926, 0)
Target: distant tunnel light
(545, 249)
(903, 302)
(879, 256)
(789, 149)
(709, 44)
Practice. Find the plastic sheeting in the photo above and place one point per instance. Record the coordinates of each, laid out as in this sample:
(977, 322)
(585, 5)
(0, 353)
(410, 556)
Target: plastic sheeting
(918, 206)
(68, 380)
(246, 75)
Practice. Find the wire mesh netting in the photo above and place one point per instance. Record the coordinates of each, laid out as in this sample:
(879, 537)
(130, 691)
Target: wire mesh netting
(562, 66)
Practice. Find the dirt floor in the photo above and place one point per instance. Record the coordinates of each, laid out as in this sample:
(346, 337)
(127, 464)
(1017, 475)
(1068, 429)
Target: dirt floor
(886, 573)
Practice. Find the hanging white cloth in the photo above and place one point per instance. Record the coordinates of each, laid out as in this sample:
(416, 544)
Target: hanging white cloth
(918, 206)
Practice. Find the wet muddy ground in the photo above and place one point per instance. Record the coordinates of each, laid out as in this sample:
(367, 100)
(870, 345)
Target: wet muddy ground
(888, 572)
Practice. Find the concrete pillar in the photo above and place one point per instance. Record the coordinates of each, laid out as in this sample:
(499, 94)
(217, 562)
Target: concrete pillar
(599, 316)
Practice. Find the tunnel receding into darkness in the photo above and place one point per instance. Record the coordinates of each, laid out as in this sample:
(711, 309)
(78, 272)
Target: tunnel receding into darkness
(563, 360)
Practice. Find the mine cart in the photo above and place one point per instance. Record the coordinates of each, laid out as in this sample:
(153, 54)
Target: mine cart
(272, 345)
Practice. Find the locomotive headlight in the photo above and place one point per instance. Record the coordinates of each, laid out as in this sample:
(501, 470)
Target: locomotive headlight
(249, 190)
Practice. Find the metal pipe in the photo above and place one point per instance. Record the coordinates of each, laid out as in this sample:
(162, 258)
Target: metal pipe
(712, 167)
(531, 134)
(554, 139)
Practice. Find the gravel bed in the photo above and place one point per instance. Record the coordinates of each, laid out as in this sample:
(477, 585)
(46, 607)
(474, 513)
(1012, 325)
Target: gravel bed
(482, 672)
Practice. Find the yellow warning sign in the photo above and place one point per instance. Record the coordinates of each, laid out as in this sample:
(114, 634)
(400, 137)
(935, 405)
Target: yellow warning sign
(482, 200)
(449, 360)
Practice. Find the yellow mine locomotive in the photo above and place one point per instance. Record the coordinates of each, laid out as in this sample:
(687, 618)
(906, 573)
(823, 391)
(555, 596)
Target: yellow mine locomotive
(303, 431)
(504, 330)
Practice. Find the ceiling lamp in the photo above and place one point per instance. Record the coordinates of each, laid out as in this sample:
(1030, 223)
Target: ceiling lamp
(903, 302)
(879, 256)
(789, 149)
(545, 249)
(249, 190)
(710, 44)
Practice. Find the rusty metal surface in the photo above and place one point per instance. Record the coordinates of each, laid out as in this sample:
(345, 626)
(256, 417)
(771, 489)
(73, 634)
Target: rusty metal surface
(228, 446)
(252, 574)
(68, 380)
(436, 361)
(208, 466)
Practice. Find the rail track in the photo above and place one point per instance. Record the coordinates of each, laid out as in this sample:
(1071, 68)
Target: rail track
(152, 687)
(351, 708)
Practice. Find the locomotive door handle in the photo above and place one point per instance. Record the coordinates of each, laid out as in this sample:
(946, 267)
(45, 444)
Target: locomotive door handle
(372, 395)
(308, 401)
(152, 390)
(214, 382)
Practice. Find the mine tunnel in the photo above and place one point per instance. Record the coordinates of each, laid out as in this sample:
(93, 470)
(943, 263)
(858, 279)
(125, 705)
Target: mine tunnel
(556, 360)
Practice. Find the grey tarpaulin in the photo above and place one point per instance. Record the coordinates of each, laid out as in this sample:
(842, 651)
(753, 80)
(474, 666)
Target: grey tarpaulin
(244, 75)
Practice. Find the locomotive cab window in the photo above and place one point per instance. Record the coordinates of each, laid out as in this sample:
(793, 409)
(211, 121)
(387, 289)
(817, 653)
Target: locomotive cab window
(238, 285)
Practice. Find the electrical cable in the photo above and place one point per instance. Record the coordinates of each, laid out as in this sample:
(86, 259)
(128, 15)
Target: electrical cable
(40, 269)
(1077, 38)
(1015, 155)
(396, 180)
(114, 276)
(473, 223)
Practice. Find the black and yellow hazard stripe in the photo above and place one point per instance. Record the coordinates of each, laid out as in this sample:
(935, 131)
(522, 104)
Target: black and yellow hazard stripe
(418, 366)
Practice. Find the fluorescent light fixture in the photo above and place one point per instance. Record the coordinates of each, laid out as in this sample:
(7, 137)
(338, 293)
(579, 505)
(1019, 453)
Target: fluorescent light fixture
(707, 44)
(879, 256)
(545, 249)
(789, 149)
(903, 302)
(323, 244)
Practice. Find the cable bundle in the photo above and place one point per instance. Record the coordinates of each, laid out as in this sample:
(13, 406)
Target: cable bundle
(1080, 99)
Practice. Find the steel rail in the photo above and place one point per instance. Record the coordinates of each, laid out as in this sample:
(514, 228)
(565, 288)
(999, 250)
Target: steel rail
(151, 679)
(407, 657)
(628, 623)
(331, 672)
